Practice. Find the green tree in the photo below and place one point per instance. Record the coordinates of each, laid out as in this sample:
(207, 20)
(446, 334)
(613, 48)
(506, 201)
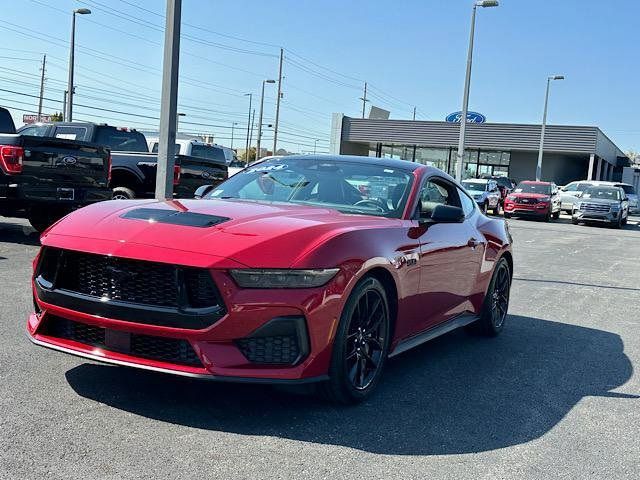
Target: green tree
(252, 154)
(56, 117)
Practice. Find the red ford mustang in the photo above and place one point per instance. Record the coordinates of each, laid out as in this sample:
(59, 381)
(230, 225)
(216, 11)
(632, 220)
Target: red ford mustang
(295, 270)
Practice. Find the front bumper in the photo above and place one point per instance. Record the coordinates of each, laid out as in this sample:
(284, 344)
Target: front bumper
(235, 348)
(608, 217)
(533, 209)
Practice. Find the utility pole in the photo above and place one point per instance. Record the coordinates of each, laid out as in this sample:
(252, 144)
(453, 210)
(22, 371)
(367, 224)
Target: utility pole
(64, 106)
(414, 113)
(275, 127)
(364, 99)
(44, 63)
(169, 102)
(259, 140)
(251, 121)
(249, 126)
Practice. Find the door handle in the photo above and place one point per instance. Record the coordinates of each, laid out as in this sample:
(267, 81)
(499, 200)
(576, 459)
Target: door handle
(473, 243)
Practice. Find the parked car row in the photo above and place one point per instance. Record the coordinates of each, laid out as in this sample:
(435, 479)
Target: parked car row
(587, 201)
(50, 169)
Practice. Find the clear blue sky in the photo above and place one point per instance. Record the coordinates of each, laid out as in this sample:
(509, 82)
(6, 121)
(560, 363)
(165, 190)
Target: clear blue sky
(411, 53)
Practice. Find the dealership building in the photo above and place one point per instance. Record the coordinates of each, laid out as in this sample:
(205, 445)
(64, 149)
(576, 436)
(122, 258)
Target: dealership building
(570, 152)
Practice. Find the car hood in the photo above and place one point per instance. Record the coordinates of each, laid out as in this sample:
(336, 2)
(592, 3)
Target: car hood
(242, 233)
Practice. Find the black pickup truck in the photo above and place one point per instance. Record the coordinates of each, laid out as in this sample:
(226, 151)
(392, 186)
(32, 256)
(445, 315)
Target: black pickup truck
(43, 179)
(133, 167)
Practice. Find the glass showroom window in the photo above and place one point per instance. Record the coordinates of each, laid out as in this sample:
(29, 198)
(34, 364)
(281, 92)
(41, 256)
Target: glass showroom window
(434, 157)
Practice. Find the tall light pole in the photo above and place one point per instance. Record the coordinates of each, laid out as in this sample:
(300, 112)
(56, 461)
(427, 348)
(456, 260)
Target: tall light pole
(69, 110)
(277, 120)
(315, 144)
(260, 119)
(246, 155)
(233, 126)
(467, 81)
(544, 125)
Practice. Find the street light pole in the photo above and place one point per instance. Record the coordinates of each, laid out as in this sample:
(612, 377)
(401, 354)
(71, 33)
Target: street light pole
(233, 125)
(467, 81)
(246, 155)
(69, 108)
(315, 144)
(259, 139)
(544, 125)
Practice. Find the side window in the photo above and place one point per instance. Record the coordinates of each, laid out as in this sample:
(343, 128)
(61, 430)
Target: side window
(432, 194)
(468, 205)
(572, 187)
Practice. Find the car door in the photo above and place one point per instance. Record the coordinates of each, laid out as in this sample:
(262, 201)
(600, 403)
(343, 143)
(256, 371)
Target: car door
(450, 255)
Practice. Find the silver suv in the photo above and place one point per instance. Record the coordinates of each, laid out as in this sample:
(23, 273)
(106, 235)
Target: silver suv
(602, 203)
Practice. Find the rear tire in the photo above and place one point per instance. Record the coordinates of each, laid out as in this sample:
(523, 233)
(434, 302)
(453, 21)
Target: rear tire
(360, 346)
(556, 215)
(574, 221)
(123, 193)
(496, 303)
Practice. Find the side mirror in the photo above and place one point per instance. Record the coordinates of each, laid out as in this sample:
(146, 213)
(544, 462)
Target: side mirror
(447, 214)
(202, 191)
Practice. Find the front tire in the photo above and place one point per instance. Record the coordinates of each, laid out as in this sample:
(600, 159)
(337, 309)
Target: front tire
(360, 346)
(123, 193)
(496, 302)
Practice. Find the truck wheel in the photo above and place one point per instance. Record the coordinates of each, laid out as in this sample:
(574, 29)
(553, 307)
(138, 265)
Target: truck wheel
(556, 215)
(123, 193)
(41, 222)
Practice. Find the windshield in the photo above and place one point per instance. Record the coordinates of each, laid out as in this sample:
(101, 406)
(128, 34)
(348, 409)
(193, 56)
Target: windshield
(605, 193)
(357, 188)
(474, 185)
(542, 188)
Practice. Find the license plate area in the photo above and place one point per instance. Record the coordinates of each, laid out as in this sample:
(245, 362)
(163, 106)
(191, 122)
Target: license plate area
(66, 194)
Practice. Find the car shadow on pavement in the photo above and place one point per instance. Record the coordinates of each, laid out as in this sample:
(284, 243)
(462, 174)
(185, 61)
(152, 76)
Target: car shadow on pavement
(456, 394)
(16, 233)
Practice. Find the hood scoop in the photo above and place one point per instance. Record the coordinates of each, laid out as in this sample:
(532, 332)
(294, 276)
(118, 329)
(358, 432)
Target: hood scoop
(172, 217)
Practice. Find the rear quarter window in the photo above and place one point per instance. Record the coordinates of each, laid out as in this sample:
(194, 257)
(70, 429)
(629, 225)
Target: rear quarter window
(121, 140)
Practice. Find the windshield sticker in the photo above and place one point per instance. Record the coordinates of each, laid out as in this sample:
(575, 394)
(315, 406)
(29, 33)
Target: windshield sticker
(266, 168)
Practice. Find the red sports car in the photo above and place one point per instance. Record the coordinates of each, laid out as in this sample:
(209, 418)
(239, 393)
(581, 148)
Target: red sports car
(295, 270)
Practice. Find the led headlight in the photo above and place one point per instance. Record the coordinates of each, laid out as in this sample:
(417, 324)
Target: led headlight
(273, 278)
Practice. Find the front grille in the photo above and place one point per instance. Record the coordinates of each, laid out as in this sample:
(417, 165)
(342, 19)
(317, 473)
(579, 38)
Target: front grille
(132, 281)
(594, 208)
(281, 349)
(527, 201)
(169, 350)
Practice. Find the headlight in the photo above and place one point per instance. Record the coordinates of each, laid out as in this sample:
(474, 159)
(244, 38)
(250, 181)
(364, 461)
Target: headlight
(544, 199)
(512, 198)
(577, 206)
(477, 197)
(271, 278)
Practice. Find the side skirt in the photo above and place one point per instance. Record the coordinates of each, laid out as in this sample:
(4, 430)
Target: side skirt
(456, 322)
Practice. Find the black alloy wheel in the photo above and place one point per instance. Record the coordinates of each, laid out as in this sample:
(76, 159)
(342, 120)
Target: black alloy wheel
(496, 303)
(361, 344)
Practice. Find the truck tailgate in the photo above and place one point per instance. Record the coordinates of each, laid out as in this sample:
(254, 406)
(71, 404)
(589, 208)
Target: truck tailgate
(195, 172)
(61, 169)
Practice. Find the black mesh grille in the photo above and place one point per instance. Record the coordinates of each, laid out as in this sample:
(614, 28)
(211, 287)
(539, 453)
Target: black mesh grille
(169, 350)
(280, 349)
(132, 281)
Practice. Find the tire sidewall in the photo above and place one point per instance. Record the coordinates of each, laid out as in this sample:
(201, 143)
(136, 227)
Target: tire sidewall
(338, 374)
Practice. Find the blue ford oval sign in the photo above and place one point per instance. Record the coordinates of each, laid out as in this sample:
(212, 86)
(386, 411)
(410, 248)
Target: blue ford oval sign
(472, 117)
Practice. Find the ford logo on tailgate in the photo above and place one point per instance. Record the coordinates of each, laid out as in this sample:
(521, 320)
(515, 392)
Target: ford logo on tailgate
(69, 160)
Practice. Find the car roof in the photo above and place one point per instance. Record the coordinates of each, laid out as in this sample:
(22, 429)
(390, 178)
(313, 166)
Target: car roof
(385, 162)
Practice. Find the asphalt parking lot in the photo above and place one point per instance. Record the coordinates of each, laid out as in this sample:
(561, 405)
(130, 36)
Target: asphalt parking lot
(555, 396)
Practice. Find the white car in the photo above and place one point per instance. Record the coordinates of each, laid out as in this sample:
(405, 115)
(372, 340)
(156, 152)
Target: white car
(485, 192)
